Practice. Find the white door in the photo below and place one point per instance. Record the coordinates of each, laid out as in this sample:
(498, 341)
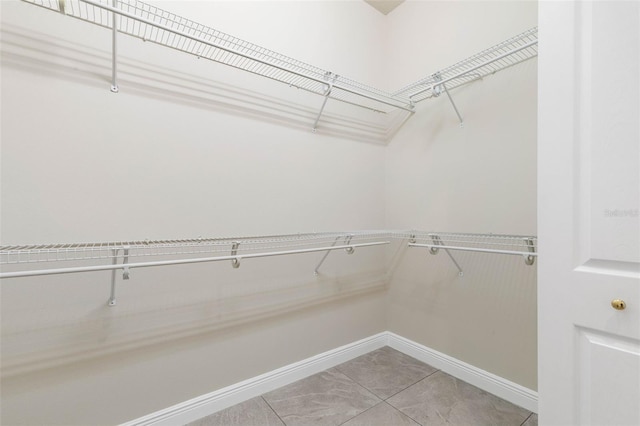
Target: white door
(588, 218)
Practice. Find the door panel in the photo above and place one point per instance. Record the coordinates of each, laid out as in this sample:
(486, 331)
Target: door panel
(588, 212)
(608, 79)
(606, 361)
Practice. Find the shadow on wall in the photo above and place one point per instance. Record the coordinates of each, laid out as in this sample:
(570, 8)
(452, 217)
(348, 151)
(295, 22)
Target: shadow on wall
(253, 97)
(55, 321)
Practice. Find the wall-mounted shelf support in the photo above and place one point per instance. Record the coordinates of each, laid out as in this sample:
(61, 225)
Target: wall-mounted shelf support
(125, 271)
(530, 258)
(437, 90)
(114, 52)
(235, 262)
(112, 297)
(331, 79)
(437, 241)
(348, 248)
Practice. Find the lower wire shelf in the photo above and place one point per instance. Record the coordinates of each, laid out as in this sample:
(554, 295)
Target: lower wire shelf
(124, 256)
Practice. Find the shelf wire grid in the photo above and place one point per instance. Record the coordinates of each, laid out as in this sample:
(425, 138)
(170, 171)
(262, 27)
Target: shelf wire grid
(159, 26)
(503, 55)
(79, 252)
(517, 243)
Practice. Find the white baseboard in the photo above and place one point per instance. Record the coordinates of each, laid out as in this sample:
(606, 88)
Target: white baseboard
(496, 385)
(205, 405)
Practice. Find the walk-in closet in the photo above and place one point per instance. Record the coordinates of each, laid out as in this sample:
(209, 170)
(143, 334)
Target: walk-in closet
(326, 212)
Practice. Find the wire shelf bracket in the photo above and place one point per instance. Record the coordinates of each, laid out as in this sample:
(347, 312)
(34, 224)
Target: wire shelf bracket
(349, 249)
(331, 79)
(437, 90)
(125, 272)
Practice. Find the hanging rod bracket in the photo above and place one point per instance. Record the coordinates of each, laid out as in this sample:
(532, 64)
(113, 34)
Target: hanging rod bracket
(235, 262)
(530, 259)
(347, 241)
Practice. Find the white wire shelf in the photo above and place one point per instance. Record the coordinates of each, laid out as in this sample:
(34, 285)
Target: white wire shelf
(259, 245)
(124, 256)
(506, 54)
(80, 252)
(159, 26)
(150, 23)
(518, 245)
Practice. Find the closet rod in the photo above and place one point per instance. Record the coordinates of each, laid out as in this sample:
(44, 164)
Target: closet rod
(238, 53)
(483, 250)
(57, 271)
(484, 64)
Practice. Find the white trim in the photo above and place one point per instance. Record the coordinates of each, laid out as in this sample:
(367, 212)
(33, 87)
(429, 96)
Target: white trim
(205, 405)
(496, 385)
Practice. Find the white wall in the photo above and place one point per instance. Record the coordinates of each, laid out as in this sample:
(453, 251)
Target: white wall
(477, 179)
(182, 151)
(189, 148)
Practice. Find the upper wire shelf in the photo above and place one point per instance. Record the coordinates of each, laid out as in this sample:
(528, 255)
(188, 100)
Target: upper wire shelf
(156, 25)
(150, 23)
(510, 52)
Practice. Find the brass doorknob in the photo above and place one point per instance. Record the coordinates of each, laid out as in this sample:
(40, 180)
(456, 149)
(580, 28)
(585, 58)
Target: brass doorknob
(618, 304)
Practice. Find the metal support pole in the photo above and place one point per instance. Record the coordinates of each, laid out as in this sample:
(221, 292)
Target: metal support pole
(327, 92)
(112, 297)
(315, 271)
(437, 241)
(114, 52)
(125, 271)
(437, 91)
(454, 105)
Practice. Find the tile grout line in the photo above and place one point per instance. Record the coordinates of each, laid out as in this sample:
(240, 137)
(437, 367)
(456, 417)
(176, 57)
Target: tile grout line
(528, 417)
(412, 384)
(370, 408)
(272, 409)
(399, 410)
(405, 414)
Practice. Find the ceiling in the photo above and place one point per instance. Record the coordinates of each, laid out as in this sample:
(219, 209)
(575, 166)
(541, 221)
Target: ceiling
(384, 6)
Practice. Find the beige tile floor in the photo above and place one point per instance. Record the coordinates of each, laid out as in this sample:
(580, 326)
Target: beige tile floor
(382, 388)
